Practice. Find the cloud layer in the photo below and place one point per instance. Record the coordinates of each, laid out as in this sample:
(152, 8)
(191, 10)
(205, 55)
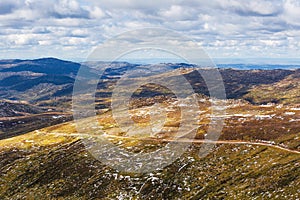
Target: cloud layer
(70, 29)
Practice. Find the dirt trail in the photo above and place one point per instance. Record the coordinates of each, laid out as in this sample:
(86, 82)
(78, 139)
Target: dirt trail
(186, 141)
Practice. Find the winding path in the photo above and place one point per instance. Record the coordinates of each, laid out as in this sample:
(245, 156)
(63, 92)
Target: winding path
(197, 141)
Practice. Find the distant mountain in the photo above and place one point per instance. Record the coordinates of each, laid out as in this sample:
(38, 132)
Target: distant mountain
(258, 66)
(10, 61)
(32, 80)
(49, 78)
(237, 83)
(44, 65)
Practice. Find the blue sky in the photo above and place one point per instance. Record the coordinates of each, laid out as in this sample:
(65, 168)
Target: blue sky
(227, 29)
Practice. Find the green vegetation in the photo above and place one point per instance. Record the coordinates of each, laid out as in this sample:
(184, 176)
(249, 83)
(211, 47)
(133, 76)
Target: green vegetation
(52, 163)
(65, 170)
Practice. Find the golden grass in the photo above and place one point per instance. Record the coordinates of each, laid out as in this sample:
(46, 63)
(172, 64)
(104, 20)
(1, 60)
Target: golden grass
(33, 139)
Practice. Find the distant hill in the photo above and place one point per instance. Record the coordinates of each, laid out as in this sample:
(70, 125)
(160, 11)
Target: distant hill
(43, 65)
(237, 82)
(21, 83)
(285, 91)
(14, 109)
(258, 66)
(49, 78)
(32, 80)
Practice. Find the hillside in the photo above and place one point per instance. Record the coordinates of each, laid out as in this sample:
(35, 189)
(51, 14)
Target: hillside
(53, 163)
(285, 91)
(55, 171)
(36, 80)
(238, 82)
(19, 117)
(14, 109)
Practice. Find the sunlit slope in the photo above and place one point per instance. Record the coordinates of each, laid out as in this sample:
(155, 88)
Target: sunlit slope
(53, 162)
(42, 166)
(273, 124)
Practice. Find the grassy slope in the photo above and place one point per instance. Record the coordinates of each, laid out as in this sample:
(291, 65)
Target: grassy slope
(42, 165)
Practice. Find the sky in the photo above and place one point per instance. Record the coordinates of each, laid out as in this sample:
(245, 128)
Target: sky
(226, 29)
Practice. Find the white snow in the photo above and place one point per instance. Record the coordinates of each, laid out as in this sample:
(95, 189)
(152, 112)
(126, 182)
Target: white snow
(289, 113)
(295, 108)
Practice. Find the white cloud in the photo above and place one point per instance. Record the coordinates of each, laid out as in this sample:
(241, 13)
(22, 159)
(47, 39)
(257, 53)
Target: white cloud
(224, 27)
(21, 39)
(251, 8)
(179, 13)
(135, 4)
(96, 12)
(7, 6)
(291, 12)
